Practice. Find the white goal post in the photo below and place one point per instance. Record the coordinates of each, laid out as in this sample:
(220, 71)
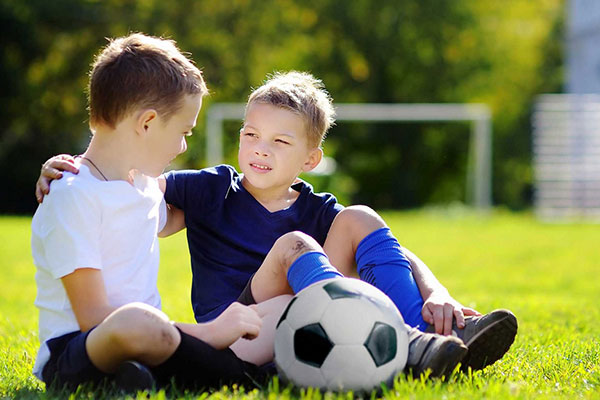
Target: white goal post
(479, 174)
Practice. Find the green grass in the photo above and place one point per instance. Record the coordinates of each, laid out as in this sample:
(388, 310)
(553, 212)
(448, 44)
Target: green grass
(546, 274)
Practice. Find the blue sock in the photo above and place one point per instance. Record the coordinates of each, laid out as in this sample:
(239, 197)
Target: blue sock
(310, 268)
(381, 262)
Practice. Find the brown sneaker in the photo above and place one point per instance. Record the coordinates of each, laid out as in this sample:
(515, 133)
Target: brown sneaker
(430, 351)
(488, 338)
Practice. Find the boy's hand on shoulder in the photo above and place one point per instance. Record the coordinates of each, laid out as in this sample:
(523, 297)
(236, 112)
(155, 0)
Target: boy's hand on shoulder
(237, 321)
(52, 169)
(440, 309)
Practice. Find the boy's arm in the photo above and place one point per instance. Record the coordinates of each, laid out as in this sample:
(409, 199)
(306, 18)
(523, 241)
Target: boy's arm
(87, 295)
(175, 216)
(237, 321)
(439, 307)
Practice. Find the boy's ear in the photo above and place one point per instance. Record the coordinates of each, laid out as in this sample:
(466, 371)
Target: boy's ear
(145, 120)
(314, 158)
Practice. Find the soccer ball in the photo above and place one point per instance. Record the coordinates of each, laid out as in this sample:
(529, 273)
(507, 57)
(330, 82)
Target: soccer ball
(340, 334)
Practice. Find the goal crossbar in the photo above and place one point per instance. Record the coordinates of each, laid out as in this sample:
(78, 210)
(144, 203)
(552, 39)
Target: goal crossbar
(479, 171)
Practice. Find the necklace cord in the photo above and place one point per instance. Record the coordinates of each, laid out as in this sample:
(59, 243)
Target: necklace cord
(93, 165)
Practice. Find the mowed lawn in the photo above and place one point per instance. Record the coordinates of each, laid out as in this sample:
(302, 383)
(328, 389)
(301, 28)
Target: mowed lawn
(547, 274)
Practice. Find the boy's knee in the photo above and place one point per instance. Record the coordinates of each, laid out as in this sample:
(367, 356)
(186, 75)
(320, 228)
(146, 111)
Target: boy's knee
(358, 221)
(138, 329)
(292, 245)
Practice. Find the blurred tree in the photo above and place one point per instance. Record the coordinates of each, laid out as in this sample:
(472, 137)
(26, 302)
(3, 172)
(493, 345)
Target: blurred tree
(500, 53)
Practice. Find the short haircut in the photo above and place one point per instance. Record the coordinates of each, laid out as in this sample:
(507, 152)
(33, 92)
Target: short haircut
(140, 71)
(302, 93)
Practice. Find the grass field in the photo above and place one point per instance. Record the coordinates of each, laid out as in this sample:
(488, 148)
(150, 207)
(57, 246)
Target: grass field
(548, 275)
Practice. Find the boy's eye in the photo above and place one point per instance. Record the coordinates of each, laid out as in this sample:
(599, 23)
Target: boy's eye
(281, 141)
(250, 134)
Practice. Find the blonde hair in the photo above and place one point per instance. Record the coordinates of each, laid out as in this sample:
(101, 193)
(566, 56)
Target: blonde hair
(302, 93)
(138, 71)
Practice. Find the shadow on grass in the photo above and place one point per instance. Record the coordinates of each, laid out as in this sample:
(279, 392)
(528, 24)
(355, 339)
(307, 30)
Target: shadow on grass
(90, 391)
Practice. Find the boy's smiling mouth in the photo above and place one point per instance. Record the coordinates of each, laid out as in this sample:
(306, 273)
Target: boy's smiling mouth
(260, 167)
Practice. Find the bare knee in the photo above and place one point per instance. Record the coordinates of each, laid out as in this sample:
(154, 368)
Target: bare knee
(357, 222)
(292, 245)
(139, 331)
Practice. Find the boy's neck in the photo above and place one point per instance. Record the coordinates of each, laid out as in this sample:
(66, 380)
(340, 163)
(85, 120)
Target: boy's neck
(273, 199)
(111, 155)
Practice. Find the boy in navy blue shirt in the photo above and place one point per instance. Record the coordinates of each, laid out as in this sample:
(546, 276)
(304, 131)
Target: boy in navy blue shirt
(234, 219)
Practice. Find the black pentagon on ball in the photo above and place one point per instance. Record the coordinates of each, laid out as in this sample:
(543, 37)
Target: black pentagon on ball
(285, 312)
(341, 288)
(311, 345)
(382, 343)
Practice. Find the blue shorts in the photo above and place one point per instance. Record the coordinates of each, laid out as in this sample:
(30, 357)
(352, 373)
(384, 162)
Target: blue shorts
(69, 363)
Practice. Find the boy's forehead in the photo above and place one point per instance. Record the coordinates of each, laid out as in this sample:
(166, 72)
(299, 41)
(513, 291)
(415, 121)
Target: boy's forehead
(188, 113)
(269, 116)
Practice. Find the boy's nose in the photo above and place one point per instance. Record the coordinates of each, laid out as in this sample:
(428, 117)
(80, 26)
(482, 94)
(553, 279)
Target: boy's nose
(261, 151)
(183, 146)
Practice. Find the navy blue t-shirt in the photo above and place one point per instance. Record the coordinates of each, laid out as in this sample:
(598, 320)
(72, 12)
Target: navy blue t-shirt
(230, 233)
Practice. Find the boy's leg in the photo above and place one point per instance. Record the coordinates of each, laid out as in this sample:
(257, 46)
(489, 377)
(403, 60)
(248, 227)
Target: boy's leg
(359, 240)
(294, 262)
(112, 350)
(359, 233)
(144, 334)
(259, 350)
(134, 331)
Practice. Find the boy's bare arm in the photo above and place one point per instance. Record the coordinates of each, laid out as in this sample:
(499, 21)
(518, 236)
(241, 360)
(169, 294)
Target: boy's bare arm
(175, 221)
(235, 322)
(439, 307)
(87, 295)
(175, 216)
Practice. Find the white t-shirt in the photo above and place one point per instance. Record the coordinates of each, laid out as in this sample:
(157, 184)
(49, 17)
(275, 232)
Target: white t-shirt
(88, 223)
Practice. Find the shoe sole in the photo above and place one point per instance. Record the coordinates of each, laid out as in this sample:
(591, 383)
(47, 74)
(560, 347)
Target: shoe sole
(489, 345)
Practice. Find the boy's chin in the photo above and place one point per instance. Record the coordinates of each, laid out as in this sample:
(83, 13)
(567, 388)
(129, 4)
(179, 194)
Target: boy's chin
(153, 172)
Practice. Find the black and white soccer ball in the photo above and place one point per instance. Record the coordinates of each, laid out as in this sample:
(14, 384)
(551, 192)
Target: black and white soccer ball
(340, 334)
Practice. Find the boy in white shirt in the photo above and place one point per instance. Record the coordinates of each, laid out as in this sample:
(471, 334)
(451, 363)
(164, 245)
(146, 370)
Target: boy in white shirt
(94, 239)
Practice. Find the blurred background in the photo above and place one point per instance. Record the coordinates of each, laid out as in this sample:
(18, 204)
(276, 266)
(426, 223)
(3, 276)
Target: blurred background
(499, 53)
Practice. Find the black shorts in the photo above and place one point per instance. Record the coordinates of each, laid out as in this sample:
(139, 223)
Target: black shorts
(69, 363)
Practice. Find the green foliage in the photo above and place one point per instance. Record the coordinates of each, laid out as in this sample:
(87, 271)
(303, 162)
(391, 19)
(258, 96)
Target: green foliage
(546, 274)
(501, 53)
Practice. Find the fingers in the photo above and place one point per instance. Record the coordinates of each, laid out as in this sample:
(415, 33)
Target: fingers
(252, 332)
(470, 311)
(441, 317)
(460, 318)
(52, 168)
(251, 327)
(248, 320)
(427, 314)
(64, 157)
(38, 194)
(448, 318)
(438, 319)
(51, 173)
(42, 188)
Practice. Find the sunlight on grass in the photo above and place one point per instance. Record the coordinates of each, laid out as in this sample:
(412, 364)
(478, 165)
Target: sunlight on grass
(546, 274)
